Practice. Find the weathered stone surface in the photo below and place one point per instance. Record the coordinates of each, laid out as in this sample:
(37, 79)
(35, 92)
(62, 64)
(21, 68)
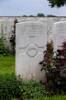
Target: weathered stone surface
(31, 39)
(6, 32)
(59, 34)
(6, 24)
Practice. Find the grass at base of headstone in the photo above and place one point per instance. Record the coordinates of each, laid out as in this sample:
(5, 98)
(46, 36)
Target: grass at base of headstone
(14, 99)
(7, 65)
(58, 97)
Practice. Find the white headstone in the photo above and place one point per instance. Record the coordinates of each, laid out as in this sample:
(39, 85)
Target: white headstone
(31, 39)
(59, 34)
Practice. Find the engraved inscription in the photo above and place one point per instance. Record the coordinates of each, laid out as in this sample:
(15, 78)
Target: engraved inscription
(32, 50)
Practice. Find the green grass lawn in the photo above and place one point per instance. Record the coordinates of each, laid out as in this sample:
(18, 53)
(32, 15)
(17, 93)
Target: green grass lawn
(7, 65)
(52, 98)
(49, 98)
